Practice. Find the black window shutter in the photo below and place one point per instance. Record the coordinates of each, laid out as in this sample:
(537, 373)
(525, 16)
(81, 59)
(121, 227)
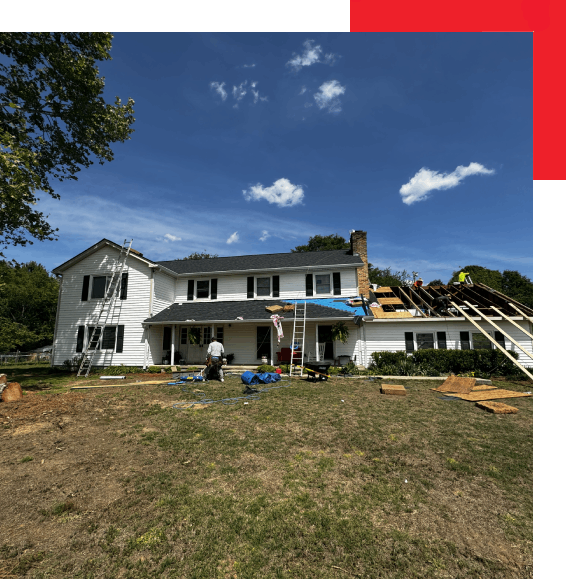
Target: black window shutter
(86, 282)
(500, 339)
(409, 342)
(251, 286)
(167, 338)
(124, 288)
(336, 283)
(213, 289)
(191, 290)
(120, 340)
(308, 285)
(464, 340)
(275, 281)
(441, 339)
(80, 339)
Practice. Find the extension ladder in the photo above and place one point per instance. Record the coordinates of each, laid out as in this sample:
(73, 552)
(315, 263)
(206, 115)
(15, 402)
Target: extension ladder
(299, 331)
(108, 302)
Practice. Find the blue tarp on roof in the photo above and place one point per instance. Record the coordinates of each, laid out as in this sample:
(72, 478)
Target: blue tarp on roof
(337, 305)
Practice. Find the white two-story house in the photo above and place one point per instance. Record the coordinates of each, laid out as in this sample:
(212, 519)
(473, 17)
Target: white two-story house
(162, 304)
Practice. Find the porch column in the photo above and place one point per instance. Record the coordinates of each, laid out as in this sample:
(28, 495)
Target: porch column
(172, 361)
(145, 352)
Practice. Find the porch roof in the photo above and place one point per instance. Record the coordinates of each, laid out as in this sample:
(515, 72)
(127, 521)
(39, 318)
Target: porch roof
(230, 311)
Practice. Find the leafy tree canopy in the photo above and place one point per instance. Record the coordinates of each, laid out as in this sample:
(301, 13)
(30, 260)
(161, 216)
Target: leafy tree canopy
(53, 121)
(203, 255)
(511, 283)
(435, 282)
(28, 304)
(323, 243)
(388, 277)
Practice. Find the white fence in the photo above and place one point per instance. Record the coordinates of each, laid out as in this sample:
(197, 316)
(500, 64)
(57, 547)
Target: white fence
(25, 357)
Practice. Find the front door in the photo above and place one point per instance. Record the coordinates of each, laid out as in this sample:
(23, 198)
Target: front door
(196, 353)
(325, 343)
(263, 342)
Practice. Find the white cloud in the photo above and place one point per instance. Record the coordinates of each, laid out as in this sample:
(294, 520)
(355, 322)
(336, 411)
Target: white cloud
(282, 193)
(303, 90)
(233, 238)
(264, 235)
(169, 237)
(327, 96)
(256, 93)
(248, 65)
(219, 88)
(311, 55)
(425, 180)
(239, 92)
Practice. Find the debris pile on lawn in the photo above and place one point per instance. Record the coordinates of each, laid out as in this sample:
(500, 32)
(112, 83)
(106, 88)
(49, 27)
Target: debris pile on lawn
(465, 389)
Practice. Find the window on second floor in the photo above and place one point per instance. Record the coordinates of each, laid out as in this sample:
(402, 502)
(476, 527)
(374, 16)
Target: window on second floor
(95, 286)
(263, 286)
(203, 287)
(322, 283)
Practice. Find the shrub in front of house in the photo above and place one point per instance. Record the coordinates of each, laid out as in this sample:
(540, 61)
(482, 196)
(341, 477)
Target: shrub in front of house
(120, 370)
(265, 368)
(438, 362)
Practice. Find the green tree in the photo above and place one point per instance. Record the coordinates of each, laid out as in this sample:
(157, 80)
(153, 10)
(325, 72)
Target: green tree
(388, 277)
(28, 305)
(199, 255)
(517, 286)
(479, 274)
(510, 282)
(53, 121)
(323, 243)
(435, 282)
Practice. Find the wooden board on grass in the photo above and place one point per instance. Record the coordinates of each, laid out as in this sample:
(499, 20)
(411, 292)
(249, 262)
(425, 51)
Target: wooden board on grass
(491, 395)
(457, 384)
(482, 387)
(497, 407)
(393, 389)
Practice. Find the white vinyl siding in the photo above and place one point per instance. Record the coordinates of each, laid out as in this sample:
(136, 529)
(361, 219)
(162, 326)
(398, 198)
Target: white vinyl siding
(163, 292)
(234, 287)
(73, 312)
(390, 336)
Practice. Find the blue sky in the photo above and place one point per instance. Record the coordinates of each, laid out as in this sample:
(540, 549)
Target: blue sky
(252, 143)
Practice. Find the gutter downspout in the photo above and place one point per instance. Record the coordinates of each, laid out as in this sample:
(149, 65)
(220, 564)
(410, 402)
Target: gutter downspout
(60, 276)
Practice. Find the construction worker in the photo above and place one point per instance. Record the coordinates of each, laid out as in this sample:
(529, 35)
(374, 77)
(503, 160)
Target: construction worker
(418, 282)
(215, 351)
(462, 277)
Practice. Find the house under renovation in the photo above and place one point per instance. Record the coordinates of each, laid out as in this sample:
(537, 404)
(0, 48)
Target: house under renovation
(117, 306)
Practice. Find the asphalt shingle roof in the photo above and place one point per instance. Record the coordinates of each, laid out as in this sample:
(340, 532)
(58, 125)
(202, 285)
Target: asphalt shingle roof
(249, 310)
(264, 261)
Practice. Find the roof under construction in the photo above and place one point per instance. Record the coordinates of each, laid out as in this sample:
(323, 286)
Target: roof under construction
(454, 301)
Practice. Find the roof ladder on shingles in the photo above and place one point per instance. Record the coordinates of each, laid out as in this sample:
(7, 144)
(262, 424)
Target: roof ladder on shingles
(107, 306)
(299, 331)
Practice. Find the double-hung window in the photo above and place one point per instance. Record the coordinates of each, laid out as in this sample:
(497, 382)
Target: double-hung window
(263, 286)
(95, 286)
(99, 285)
(111, 339)
(202, 289)
(322, 283)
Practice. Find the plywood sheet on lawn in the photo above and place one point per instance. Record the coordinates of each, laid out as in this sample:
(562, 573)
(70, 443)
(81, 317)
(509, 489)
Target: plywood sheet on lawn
(492, 395)
(379, 313)
(457, 384)
(497, 407)
(482, 387)
(394, 389)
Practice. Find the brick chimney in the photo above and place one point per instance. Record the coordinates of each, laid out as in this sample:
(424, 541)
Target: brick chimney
(359, 245)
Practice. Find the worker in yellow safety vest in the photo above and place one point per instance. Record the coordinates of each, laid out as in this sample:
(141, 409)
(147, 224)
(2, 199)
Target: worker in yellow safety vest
(462, 277)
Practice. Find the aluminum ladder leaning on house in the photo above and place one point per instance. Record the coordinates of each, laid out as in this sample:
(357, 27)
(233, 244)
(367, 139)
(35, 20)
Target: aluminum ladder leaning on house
(299, 331)
(107, 306)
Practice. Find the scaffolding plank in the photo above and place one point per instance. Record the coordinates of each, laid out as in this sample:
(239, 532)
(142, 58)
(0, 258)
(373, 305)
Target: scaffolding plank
(499, 329)
(492, 340)
(512, 322)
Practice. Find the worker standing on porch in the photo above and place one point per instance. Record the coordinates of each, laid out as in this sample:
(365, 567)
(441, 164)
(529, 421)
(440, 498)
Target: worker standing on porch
(215, 351)
(462, 277)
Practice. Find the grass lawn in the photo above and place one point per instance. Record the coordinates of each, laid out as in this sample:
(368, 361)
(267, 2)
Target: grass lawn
(317, 480)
